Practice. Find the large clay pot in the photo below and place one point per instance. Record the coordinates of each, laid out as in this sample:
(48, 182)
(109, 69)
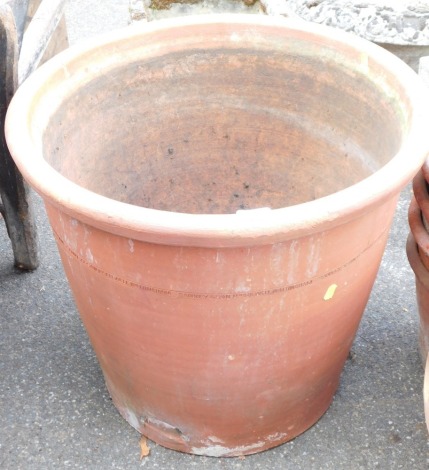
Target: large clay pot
(221, 190)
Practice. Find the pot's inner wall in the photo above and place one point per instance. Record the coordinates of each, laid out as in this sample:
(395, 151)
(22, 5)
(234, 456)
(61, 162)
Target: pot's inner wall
(220, 130)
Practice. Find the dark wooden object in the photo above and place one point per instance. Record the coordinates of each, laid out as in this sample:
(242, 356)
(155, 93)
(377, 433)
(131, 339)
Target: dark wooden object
(23, 45)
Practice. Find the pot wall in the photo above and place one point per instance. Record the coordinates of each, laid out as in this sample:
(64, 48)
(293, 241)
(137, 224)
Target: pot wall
(222, 351)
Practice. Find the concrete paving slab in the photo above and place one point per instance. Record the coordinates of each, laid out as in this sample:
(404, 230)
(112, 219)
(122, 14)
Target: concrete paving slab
(55, 411)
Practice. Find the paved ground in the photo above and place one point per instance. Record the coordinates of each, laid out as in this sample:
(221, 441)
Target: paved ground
(55, 411)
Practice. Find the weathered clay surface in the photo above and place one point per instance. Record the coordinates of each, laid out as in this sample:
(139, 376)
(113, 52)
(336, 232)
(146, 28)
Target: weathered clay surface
(222, 213)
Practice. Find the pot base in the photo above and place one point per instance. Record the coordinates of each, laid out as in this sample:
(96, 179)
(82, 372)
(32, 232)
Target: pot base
(173, 438)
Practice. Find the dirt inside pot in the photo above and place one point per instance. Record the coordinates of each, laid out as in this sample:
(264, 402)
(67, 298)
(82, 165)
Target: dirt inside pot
(219, 130)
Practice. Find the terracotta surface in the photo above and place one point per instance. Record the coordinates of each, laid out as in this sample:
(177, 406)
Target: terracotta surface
(420, 189)
(421, 183)
(419, 231)
(221, 190)
(422, 290)
(418, 256)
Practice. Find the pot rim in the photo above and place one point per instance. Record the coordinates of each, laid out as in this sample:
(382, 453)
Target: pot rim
(249, 227)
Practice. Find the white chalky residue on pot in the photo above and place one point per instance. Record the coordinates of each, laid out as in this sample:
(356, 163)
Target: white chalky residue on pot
(242, 287)
(276, 436)
(293, 261)
(89, 256)
(221, 451)
(276, 264)
(313, 258)
(131, 245)
(70, 241)
(234, 37)
(218, 258)
(131, 418)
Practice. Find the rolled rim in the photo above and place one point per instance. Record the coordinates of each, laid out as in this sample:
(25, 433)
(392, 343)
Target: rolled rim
(247, 227)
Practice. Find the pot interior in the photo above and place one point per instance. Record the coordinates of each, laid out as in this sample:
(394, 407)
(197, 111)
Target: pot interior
(217, 129)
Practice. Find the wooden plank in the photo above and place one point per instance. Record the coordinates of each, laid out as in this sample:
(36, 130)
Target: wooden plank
(32, 6)
(19, 9)
(38, 35)
(58, 42)
(44, 36)
(59, 39)
(14, 192)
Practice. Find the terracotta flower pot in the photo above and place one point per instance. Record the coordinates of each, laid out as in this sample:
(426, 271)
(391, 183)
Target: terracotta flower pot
(419, 231)
(221, 190)
(422, 291)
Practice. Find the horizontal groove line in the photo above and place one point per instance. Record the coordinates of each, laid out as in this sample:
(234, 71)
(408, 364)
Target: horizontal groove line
(177, 293)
